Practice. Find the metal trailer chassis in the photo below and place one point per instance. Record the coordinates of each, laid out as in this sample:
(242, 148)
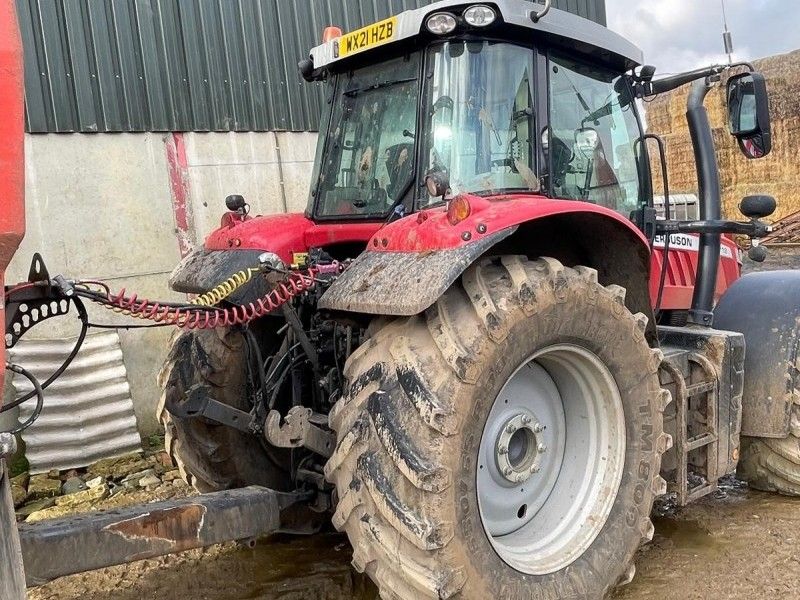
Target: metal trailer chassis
(33, 554)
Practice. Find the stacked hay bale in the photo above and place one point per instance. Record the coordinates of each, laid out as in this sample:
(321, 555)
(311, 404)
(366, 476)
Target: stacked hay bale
(777, 175)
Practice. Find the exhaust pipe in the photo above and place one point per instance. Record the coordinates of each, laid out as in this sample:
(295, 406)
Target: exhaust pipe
(710, 204)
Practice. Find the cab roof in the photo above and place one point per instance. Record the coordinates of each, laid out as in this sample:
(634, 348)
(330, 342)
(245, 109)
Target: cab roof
(558, 27)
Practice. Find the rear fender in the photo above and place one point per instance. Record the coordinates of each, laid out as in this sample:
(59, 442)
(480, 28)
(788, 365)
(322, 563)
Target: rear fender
(202, 270)
(765, 307)
(411, 263)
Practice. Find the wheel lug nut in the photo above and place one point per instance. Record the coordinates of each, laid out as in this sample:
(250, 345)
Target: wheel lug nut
(526, 420)
(502, 450)
(535, 469)
(507, 472)
(538, 428)
(542, 448)
(511, 428)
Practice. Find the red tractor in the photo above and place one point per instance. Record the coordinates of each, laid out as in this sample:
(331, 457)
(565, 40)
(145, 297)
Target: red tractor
(481, 351)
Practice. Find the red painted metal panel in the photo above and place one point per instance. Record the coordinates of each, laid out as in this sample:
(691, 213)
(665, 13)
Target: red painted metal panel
(12, 168)
(431, 230)
(285, 234)
(682, 268)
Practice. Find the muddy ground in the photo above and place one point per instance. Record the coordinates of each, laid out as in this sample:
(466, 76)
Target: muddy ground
(739, 544)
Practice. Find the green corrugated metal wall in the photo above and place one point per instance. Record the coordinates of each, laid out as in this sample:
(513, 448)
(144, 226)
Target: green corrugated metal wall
(185, 65)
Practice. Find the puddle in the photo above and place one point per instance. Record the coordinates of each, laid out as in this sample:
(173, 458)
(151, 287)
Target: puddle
(688, 535)
(304, 568)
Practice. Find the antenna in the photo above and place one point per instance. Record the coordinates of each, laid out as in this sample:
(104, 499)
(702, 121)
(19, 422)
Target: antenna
(727, 37)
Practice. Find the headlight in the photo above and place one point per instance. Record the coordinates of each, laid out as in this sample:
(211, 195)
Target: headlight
(480, 16)
(441, 23)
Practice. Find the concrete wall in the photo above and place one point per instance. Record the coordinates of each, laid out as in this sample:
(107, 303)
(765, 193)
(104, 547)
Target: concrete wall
(104, 206)
(271, 170)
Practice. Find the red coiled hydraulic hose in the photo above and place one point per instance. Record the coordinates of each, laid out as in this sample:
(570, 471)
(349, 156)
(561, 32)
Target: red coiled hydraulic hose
(201, 317)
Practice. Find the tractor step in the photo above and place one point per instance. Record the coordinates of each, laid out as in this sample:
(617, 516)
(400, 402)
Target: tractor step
(704, 370)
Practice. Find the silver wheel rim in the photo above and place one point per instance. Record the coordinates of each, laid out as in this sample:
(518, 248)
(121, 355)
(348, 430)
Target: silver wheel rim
(551, 459)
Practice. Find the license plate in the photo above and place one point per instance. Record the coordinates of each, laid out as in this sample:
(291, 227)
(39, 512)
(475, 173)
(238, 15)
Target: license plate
(365, 38)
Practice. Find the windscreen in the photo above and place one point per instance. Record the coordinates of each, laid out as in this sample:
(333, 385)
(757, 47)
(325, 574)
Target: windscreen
(366, 165)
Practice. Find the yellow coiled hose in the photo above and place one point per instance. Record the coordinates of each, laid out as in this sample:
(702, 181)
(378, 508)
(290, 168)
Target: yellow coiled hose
(226, 288)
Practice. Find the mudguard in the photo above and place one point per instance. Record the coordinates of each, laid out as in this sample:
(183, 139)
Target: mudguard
(202, 270)
(765, 307)
(396, 283)
(411, 262)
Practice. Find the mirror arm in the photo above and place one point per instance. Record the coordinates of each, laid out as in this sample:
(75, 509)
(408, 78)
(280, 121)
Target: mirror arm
(646, 88)
(752, 229)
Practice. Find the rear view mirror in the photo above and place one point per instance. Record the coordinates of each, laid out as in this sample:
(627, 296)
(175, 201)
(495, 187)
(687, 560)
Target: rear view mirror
(748, 114)
(438, 184)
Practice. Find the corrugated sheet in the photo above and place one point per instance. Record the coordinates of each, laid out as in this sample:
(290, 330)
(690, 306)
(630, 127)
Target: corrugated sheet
(88, 412)
(186, 65)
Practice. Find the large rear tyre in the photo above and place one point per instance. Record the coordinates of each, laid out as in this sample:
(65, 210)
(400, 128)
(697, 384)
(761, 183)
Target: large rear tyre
(213, 457)
(773, 464)
(505, 444)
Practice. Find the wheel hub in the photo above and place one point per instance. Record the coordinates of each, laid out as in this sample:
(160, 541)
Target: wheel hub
(520, 449)
(542, 503)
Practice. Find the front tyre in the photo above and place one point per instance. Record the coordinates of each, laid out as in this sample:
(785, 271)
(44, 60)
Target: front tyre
(506, 441)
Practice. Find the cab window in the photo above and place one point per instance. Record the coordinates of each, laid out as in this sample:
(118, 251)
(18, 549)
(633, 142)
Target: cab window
(479, 120)
(367, 163)
(592, 138)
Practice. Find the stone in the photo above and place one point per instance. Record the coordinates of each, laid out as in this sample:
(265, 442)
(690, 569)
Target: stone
(165, 460)
(118, 468)
(73, 485)
(23, 479)
(180, 484)
(95, 482)
(171, 476)
(41, 486)
(54, 474)
(89, 496)
(32, 507)
(149, 481)
(19, 488)
(18, 494)
(53, 512)
(135, 477)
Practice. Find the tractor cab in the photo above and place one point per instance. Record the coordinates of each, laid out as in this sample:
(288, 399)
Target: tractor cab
(490, 99)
